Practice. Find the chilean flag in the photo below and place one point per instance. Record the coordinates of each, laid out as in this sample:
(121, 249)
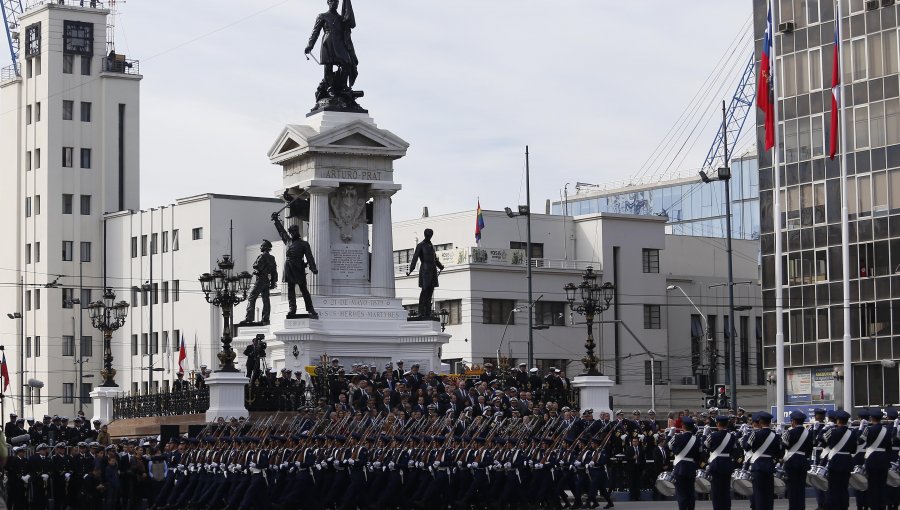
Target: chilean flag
(4, 373)
(479, 222)
(765, 94)
(182, 355)
(835, 89)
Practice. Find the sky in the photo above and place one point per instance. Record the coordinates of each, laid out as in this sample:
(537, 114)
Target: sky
(591, 86)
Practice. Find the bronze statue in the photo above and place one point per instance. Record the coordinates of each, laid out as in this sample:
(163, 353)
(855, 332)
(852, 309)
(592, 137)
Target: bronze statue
(295, 267)
(335, 91)
(266, 270)
(428, 272)
(255, 352)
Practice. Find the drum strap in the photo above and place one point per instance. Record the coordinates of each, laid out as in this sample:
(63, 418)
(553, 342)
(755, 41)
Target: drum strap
(762, 449)
(796, 447)
(719, 449)
(687, 450)
(876, 445)
(840, 446)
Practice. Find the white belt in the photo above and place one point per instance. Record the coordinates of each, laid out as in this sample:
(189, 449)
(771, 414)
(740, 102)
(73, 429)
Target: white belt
(255, 471)
(841, 453)
(649, 461)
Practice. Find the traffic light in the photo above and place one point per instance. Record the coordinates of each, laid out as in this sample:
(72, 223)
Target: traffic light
(721, 396)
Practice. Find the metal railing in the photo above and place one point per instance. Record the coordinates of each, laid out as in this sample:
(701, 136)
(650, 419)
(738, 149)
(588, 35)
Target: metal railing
(119, 64)
(500, 257)
(8, 73)
(94, 4)
(274, 397)
(163, 403)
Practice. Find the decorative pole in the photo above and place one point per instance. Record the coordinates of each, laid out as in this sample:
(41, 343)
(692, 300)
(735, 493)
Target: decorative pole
(107, 316)
(224, 290)
(594, 299)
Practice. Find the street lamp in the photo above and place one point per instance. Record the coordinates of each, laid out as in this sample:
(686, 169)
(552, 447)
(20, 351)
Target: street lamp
(18, 316)
(594, 299)
(224, 290)
(445, 318)
(107, 315)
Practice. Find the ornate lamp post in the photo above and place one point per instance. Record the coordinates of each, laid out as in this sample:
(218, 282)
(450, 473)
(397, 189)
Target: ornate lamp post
(224, 290)
(445, 318)
(594, 299)
(107, 315)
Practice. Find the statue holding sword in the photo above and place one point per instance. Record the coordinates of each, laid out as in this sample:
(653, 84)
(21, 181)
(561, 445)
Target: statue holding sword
(428, 272)
(335, 91)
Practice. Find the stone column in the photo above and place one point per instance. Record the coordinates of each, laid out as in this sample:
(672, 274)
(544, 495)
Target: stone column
(382, 245)
(320, 239)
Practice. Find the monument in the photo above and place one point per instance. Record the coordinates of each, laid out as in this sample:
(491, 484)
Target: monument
(337, 168)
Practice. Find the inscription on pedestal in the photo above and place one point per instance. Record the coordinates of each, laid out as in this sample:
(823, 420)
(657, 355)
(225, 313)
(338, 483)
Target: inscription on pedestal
(349, 262)
(352, 174)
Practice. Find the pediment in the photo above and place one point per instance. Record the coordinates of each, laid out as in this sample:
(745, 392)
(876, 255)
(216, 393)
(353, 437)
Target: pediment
(357, 137)
(358, 140)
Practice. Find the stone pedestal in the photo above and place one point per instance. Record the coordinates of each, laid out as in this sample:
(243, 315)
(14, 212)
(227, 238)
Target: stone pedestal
(226, 395)
(594, 392)
(102, 398)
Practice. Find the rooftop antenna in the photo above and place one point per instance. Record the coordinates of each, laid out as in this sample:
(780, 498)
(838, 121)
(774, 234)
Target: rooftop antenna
(231, 238)
(111, 24)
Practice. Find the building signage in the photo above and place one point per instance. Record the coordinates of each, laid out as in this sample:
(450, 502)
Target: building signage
(799, 385)
(353, 174)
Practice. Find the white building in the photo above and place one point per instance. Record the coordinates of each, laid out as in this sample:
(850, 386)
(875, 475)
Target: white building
(69, 154)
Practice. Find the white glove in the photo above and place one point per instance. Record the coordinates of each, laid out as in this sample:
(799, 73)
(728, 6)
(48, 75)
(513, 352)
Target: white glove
(45, 477)
(68, 476)
(284, 465)
(507, 465)
(539, 466)
(436, 464)
(390, 465)
(420, 464)
(214, 465)
(318, 466)
(530, 463)
(297, 464)
(590, 464)
(330, 459)
(26, 478)
(459, 463)
(376, 464)
(577, 464)
(191, 467)
(351, 461)
(252, 465)
(410, 464)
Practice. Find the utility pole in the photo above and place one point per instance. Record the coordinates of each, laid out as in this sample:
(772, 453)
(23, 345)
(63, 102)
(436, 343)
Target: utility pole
(80, 335)
(528, 250)
(725, 175)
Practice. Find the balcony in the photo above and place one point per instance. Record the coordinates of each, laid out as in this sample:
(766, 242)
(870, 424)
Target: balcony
(499, 257)
(117, 63)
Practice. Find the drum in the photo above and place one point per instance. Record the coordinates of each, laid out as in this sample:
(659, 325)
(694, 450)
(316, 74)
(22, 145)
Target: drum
(817, 477)
(703, 482)
(893, 478)
(858, 478)
(779, 481)
(742, 483)
(665, 484)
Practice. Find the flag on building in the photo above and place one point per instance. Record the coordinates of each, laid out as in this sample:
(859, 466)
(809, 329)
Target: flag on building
(182, 355)
(479, 222)
(765, 93)
(4, 373)
(835, 91)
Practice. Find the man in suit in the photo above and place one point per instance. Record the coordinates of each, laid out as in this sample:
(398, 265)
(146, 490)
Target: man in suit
(658, 461)
(798, 444)
(428, 272)
(842, 443)
(686, 448)
(635, 464)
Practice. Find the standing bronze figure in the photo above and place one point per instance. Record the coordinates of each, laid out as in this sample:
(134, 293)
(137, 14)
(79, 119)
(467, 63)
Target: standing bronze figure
(428, 272)
(295, 267)
(266, 270)
(335, 91)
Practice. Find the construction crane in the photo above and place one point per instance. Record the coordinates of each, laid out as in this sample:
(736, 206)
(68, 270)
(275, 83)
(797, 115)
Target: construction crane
(12, 9)
(738, 110)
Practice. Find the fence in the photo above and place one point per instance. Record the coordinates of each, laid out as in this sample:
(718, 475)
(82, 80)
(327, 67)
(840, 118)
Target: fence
(162, 403)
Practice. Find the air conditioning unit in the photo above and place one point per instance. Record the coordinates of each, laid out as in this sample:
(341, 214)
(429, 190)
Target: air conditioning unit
(887, 3)
(689, 381)
(786, 27)
(871, 5)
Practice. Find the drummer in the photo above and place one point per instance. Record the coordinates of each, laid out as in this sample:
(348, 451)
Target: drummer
(842, 442)
(720, 444)
(876, 441)
(893, 493)
(763, 449)
(798, 444)
(686, 448)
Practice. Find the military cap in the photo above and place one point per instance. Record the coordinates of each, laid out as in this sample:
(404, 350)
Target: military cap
(819, 410)
(831, 414)
(440, 439)
(891, 413)
(841, 415)
(61, 444)
(876, 414)
(42, 446)
(863, 414)
(687, 420)
(722, 419)
(533, 370)
(357, 436)
(798, 416)
(587, 412)
(339, 438)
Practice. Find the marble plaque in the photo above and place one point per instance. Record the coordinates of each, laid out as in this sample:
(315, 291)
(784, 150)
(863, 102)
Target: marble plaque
(349, 262)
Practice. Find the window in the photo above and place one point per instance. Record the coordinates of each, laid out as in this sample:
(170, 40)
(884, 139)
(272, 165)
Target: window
(197, 233)
(67, 251)
(861, 127)
(650, 260)
(85, 158)
(889, 42)
(68, 157)
(28, 253)
(175, 292)
(28, 68)
(67, 296)
(68, 109)
(498, 311)
(134, 344)
(812, 11)
(68, 64)
(165, 345)
(135, 296)
(443, 247)
(144, 245)
(134, 247)
(68, 345)
(154, 343)
(37, 252)
(85, 251)
(37, 299)
(37, 205)
(657, 373)
(27, 300)
(37, 111)
(165, 292)
(145, 295)
(28, 207)
(37, 347)
(68, 393)
(85, 65)
(27, 161)
(28, 114)
(403, 256)
(550, 313)
(86, 297)
(454, 308)
(86, 389)
(87, 346)
(145, 343)
(66, 203)
(155, 293)
(176, 335)
(175, 239)
(745, 349)
(165, 242)
(537, 249)
(858, 51)
(153, 244)
(37, 158)
(85, 205)
(652, 319)
(85, 111)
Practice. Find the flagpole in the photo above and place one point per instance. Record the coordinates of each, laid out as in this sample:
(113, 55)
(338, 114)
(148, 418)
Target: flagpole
(776, 206)
(845, 222)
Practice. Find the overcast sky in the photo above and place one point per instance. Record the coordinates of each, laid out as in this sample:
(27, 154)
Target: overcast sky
(591, 85)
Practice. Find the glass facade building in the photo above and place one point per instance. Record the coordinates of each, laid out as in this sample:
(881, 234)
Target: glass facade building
(810, 196)
(693, 208)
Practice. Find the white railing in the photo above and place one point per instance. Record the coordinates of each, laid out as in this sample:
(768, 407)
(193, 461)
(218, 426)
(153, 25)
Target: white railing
(499, 257)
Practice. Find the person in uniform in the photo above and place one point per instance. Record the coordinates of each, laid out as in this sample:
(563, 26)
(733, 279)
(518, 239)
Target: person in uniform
(266, 271)
(817, 427)
(686, 449)
(295, 267)
(254, 353)
(842, 443)
(764, 449)
(180, 384)
(720, 443)
(798, 443)
(876, 443)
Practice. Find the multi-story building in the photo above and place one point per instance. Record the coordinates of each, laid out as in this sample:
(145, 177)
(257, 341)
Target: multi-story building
(69, 154)
(692, 207)
(810, 193)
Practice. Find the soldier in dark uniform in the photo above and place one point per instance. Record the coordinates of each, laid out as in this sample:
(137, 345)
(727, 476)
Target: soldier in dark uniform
(295, 266)
(798, 444)
(720, 444)
(17, 471)
(428, 272)
(180, 384)
(9, 429)
(255, 352)
(876, 441)
(764, 449)
(842, 442)
(60, 475)
(686, 448)
(266, 272)
(39, 469)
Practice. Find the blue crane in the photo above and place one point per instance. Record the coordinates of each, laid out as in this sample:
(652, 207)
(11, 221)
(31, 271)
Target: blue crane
(738, 110)
(12, 9)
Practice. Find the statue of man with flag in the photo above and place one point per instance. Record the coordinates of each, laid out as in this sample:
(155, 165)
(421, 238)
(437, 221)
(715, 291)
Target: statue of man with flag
(335, 91)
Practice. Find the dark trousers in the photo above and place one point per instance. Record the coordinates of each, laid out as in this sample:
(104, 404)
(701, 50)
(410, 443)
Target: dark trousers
(425, 301)
(796, 489)
(634, 482)
(763, 490)
(838, 490)
(720, 492)
(292, 296)
(877, 488)
(684, 492)
(260, 289)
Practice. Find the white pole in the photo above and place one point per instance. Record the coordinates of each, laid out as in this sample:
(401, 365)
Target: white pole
(776, 207)
(845, 223)
(652, 382)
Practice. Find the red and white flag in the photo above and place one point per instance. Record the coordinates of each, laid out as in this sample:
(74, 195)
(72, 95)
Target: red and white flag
(765, 92)
(835, 90)
(182, 355)
(4, 373)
